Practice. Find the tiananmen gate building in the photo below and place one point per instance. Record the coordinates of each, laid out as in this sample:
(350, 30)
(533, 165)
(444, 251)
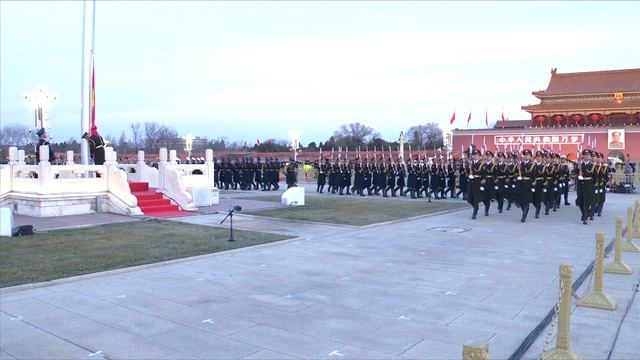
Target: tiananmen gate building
(598, 110)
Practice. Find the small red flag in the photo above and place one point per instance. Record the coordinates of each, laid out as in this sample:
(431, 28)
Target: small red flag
(486, 117)
(469, 119)
(503, 120)
(453, 118)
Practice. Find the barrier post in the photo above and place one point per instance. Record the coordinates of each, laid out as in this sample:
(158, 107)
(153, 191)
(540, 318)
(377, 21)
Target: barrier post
(628, 245)
(598, 299)
(618, 266)
(474, 351)
(562, 349)
(636, 221)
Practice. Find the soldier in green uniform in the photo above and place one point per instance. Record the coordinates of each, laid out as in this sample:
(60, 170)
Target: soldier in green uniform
(527, 172)
(489, 181)
(585, 186)
(476, 169)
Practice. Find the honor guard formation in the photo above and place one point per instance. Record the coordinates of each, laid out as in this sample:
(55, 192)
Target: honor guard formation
(541, 181)
(247, 174)
(372, 176)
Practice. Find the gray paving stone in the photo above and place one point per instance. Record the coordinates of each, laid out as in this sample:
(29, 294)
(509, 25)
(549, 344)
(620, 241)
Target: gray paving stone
(342, 292)
(116, 344)
(268, 355)
(208, 321)
(204, 344)
(5, 356)
(25, 341)
(429, 349)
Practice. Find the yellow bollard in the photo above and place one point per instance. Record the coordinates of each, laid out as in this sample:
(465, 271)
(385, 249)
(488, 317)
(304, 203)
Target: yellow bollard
(628, 245)
(598, 299)
(475, 352)
(562, 350)
(618, 266)
(636, 221)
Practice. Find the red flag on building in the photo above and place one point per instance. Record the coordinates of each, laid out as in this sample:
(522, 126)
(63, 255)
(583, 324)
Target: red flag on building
(503, 121)
(469, 119)
(258, 141)
(453, 118)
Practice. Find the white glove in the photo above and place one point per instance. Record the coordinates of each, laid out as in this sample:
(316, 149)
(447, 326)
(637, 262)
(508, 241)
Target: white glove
(544, 190)
(471, 176)
(533, 189)
(481, 188)
(513, 186)
(495, 187)
(519, 177)
(580, 177)
(506, 186)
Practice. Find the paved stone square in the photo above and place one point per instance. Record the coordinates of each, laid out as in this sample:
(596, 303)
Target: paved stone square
(416, 289)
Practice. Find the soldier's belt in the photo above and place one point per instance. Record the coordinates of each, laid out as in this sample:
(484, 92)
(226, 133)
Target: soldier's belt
(488, 177)
(99, 146)
(501, 177)
(539, 178)
(587, 178)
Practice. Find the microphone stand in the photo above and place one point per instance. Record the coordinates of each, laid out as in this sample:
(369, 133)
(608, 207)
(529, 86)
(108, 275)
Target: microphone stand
(230, 216)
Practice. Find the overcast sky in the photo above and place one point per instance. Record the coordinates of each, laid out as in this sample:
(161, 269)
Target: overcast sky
(249, 70)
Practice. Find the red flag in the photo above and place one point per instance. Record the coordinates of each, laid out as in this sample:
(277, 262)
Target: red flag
(453, 118)
(486, 117)
(503, 120)
(93, 96)
(257, 141)
(469, 119)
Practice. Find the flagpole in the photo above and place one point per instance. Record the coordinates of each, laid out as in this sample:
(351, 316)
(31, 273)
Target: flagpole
(88, 31)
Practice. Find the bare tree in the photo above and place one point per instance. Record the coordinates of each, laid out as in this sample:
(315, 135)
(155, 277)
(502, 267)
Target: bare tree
(157, 135)
(426, 136)
(354, 134)
(137, 138)
(15, 135)
(123, 143)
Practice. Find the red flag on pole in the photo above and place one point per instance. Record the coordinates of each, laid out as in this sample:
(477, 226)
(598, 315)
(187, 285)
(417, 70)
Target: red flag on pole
(503, 120)
(469, 119)
(453, 118)
(94, 128)
(486, 117)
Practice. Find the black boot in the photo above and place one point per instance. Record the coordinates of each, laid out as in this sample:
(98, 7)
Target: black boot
(546, 209)
(385, 192)
(475, 213)
(525, 211)
(509, 205)
(486, 209)
(538, 211)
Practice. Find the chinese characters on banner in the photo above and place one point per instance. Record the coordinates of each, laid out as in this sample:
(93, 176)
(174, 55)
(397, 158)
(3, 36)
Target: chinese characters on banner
(562, 139)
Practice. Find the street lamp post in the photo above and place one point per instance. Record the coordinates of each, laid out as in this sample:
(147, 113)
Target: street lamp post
(40, 100)
(188, 142)
(294, 135)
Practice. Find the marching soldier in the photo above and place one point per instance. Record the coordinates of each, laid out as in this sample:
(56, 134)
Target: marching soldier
(538, 194)
(585, 186)
(463, 178)
(603, 178)
(476, 168)
(564, 180)
(525, 188)
(512, 173)
(489, 182)
(502, 181)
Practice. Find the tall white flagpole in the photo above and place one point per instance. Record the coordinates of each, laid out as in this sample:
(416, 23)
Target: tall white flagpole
(88, 32)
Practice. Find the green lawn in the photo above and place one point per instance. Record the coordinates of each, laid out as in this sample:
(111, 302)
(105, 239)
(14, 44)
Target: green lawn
(352, 210)
(62, 253)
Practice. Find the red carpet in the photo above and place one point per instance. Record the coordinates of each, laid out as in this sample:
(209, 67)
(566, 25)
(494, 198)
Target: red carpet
(154, 204)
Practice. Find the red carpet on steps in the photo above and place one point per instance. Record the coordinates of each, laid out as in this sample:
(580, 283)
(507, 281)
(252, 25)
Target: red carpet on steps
(154, 204)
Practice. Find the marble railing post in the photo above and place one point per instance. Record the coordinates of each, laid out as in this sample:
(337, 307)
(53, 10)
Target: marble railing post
(161, 165)
(13, 155)
(70, 158)
(210, 167)
(44, 170)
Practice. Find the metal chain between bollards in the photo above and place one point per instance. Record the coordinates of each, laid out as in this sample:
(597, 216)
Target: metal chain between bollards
(553, 324)
(574, 292)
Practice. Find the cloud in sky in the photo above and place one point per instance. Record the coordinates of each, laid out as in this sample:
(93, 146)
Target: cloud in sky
(257, 70)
